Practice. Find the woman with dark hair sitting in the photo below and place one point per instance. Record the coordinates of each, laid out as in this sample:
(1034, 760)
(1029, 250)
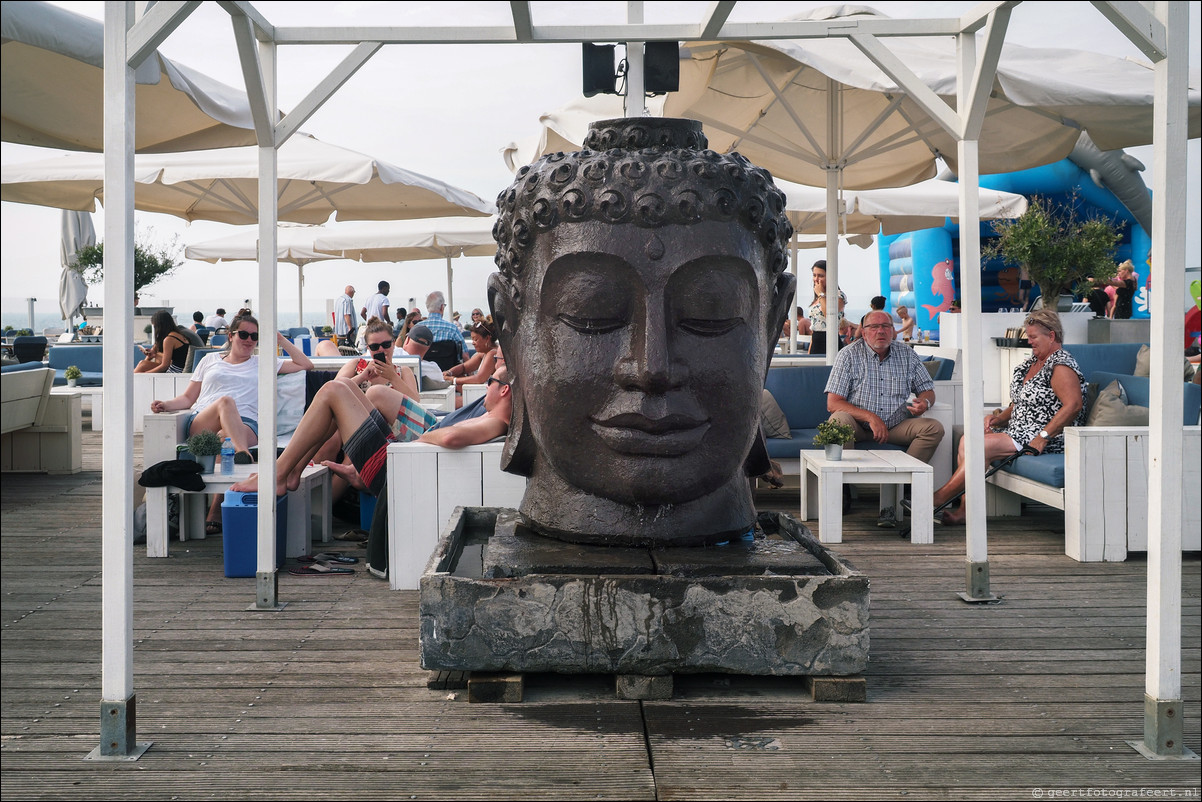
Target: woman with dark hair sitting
(479, 366)
(170, 350)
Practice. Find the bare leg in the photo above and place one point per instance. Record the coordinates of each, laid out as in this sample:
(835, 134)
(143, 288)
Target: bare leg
(346, 474)
(387, 400)
(222, 417)
(997, 446)
(327, 348)
(342, 404)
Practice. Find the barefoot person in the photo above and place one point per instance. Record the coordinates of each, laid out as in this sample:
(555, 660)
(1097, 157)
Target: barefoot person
(1048, 391)
(362, 422)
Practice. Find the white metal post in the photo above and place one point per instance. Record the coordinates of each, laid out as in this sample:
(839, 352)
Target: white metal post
(267, 587)
(118, 703)
(635, 104)
(1163, 726)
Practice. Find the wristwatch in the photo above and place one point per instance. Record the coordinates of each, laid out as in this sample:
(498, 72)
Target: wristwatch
(1044, 434)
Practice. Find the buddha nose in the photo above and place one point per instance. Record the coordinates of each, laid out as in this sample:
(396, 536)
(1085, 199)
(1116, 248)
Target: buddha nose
(649, 364)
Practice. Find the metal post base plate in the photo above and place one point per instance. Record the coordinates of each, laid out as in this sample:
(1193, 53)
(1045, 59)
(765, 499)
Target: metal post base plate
(1163, 731)
(118, 728)
(267, 591)
(976, 579)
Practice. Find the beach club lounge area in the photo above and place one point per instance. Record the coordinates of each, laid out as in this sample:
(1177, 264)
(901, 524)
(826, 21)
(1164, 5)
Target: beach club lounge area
(161, 673)
(324, 698)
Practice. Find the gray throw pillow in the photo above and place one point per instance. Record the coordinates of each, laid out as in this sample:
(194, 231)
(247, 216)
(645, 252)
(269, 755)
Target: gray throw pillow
(773, 418)
(1110, 409)
(1143, 361)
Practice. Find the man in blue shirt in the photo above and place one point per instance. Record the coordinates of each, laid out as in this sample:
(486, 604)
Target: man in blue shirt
(443, 329)
(869, 388)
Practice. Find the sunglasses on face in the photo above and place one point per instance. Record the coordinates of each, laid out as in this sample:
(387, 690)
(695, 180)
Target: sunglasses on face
(247, 335)
(378, 346)
(495, 380)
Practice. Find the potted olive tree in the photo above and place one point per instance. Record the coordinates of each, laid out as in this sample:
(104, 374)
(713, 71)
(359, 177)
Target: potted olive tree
(1060, 249)
(72, 374)
(205, 446)
(833, 435)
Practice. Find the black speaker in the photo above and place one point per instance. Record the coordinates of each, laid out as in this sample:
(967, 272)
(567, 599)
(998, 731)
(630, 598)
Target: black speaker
(600, 77)
(661, 67)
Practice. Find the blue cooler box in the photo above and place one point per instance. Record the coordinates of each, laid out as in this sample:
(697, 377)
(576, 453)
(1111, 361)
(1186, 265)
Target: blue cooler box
(367, 510)
(239, 527)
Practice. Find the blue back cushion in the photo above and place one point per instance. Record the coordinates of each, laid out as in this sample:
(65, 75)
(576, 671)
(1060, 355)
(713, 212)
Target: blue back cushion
(88, 358)
(800, 393)
(1110, 357)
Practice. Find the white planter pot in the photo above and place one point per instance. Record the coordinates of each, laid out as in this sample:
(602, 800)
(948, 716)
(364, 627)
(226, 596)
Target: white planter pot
(71, 382)
(834, 452)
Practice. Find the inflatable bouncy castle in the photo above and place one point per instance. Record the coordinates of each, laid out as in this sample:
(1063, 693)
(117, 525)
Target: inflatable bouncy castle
(921, 269)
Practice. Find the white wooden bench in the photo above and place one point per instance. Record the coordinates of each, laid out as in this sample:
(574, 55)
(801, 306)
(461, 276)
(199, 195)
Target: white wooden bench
(1105, 493)
(40, 431)
(23, 398)
(425, 485)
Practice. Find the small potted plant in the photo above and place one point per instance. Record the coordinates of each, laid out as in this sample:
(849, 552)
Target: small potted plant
(833, 436)
(205, 446)
(72, 374)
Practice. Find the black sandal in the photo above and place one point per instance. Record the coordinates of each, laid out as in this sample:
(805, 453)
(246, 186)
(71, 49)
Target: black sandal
(212, 527)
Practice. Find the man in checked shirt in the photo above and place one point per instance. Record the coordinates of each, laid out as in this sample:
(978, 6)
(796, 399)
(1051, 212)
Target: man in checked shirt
(869, 389)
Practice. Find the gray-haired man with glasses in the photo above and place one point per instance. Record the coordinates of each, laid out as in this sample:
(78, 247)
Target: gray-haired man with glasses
(870, 387)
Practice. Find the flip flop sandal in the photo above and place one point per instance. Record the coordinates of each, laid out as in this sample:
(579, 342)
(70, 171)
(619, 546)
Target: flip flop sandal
(328, 557)
(352, 536)
(212, 527)
(319, 569)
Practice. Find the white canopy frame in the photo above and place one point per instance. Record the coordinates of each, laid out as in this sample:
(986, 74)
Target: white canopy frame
(1159, 32)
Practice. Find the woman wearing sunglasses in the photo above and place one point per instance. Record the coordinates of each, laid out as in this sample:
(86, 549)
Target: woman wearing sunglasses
(224, 391)
(376, 367)
(224, 394)
(479, 366)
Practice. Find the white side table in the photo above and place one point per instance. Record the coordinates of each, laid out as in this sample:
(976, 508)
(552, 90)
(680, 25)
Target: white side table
(822, 488)
(313, 494)
(94, 394)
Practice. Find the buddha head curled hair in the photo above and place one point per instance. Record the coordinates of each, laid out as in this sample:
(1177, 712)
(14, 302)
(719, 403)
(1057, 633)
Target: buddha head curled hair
(654, 173)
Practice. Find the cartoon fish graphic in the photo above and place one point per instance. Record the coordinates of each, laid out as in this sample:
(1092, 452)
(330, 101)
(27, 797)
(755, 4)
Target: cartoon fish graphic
(942, 285)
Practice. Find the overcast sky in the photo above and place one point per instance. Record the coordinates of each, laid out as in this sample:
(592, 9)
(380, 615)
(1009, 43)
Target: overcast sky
(446, 111)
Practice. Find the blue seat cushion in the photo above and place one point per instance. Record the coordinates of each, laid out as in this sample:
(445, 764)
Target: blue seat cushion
(1047, 469)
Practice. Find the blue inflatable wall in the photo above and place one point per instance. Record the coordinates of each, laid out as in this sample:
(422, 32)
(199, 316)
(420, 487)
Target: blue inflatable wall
(915, 265)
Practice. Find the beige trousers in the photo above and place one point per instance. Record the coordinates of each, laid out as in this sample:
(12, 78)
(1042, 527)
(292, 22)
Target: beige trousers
(918, 436)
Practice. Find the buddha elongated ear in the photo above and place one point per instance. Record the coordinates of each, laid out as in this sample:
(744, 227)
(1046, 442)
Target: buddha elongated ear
(518, 454)
(783, 291)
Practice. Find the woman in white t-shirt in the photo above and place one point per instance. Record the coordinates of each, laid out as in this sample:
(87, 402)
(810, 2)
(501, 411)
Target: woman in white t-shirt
(224, 391)
(224, 395)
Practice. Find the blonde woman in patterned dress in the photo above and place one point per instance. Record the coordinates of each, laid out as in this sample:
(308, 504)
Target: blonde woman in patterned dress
(1048, 393)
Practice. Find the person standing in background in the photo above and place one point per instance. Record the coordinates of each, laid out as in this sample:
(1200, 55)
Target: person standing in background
(819, 312)
(344, 317)
(377, 305)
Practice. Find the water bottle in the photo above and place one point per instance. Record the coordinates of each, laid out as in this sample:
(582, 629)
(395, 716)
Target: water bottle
(227, 457)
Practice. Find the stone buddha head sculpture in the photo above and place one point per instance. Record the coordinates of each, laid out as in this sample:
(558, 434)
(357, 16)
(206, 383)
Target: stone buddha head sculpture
(640, 293)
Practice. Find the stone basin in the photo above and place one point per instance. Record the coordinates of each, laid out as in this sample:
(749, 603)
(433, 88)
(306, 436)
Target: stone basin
(496, 597)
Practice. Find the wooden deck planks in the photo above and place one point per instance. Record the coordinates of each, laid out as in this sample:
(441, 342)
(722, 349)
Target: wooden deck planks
(325, 699)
